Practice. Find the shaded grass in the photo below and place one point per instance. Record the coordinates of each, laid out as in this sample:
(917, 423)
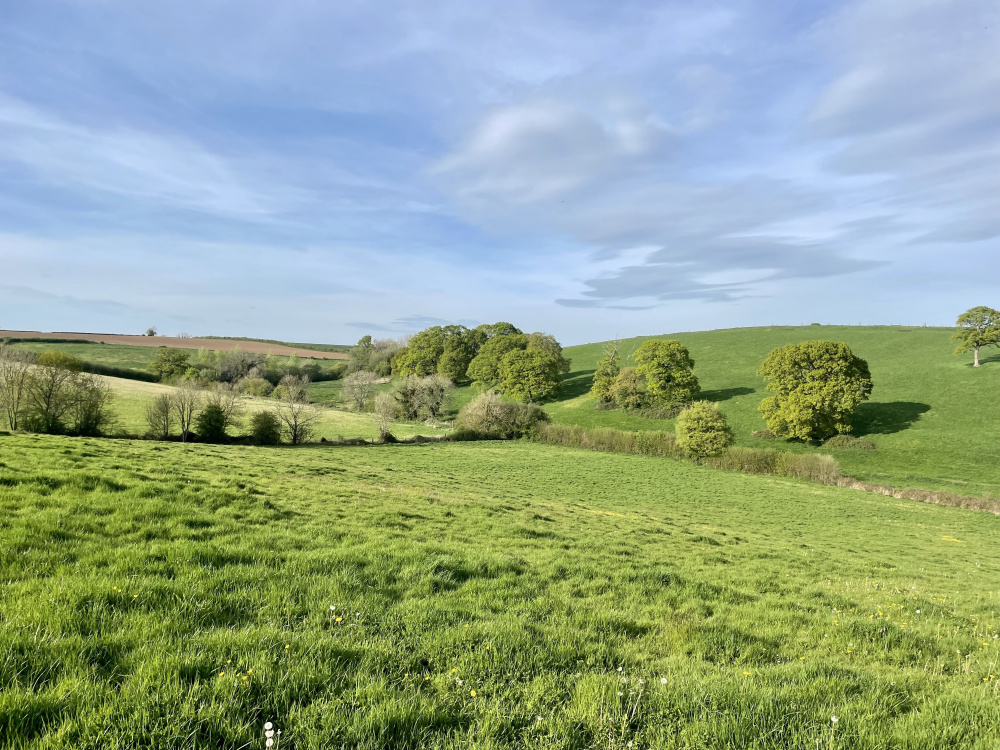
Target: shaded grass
(163, 595)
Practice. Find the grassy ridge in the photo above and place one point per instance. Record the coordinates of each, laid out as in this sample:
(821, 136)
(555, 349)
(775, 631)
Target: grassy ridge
(935, 419)
(163, 595)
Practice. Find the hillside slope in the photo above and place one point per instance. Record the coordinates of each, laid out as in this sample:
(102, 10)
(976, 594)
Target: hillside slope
(935, 418)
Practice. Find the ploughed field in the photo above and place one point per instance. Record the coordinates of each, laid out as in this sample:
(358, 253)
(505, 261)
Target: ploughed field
(488, 595)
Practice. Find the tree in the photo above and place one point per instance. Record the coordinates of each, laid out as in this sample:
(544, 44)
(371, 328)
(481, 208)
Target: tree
(160, 416)
(167, 363)
(817, 387)
(627, 391)
(980, 326)
(295, 410)
(236, 364)
(15, 374)
(667, 367)
(546, 342)
(359, 387)
(484, 369)
(702, 430)
(458, 352)
(607, 371)
(384, 409)
(186, 401)
(150, 331)
(49, 395)
(422, 353)
(529, 375)
(432, 393)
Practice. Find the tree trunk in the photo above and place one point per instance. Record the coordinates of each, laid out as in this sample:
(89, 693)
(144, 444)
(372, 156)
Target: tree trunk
(976, 363)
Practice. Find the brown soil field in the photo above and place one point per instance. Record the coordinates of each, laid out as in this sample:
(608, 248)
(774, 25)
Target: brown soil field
(173, 342)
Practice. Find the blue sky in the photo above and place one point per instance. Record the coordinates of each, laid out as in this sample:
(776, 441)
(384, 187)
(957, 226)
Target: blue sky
(314, 171)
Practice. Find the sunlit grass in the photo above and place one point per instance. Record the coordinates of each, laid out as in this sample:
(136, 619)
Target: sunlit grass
(485, 595)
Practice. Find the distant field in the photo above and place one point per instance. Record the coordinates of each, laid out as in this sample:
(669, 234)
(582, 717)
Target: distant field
(490, 595)
(935, 418)
(172, 342)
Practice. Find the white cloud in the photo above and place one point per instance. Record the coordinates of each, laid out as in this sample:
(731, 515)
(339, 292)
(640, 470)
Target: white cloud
(544, 149)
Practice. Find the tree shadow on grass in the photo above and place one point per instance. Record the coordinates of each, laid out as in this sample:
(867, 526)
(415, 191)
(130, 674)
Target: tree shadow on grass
(724, 394)
(576, 384)
(887, 418)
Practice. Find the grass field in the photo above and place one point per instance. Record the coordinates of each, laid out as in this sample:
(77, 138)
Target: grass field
(492, 595)
(935, 418)
(132, 396)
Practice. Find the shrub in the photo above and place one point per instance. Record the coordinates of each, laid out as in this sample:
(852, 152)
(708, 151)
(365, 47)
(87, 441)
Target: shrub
(764, 435)
(259, 387)
(849, 442)
(490, 416)
(702, 430)
(210, 424)
(384, 410)
(265, 428)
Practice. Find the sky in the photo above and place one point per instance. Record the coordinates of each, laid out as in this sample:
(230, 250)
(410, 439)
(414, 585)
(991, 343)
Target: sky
(317, 171)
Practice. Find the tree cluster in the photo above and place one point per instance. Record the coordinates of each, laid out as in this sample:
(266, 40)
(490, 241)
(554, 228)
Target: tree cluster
(50, 393)
(252, 373)
(662, 379)
(211, 414)
(497, 357)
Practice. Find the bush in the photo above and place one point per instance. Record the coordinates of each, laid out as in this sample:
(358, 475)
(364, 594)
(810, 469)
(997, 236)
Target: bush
(702, 430)
(764, 435)
(849, 442)
(259, 387)
(210, 424)
(265, 428)
(492, 417)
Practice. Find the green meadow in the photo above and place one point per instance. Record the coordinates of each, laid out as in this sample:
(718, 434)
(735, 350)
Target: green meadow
(487, 595)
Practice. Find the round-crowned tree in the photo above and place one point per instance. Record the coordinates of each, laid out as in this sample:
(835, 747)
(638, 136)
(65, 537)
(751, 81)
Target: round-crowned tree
(702, 430)
(817, 385)
(668, 369)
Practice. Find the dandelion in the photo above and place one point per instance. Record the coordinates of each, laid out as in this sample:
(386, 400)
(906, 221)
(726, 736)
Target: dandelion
(834, 720)
(472, 693)
(747, 674)
(619, 693)
(287, 646)
(663, 680)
